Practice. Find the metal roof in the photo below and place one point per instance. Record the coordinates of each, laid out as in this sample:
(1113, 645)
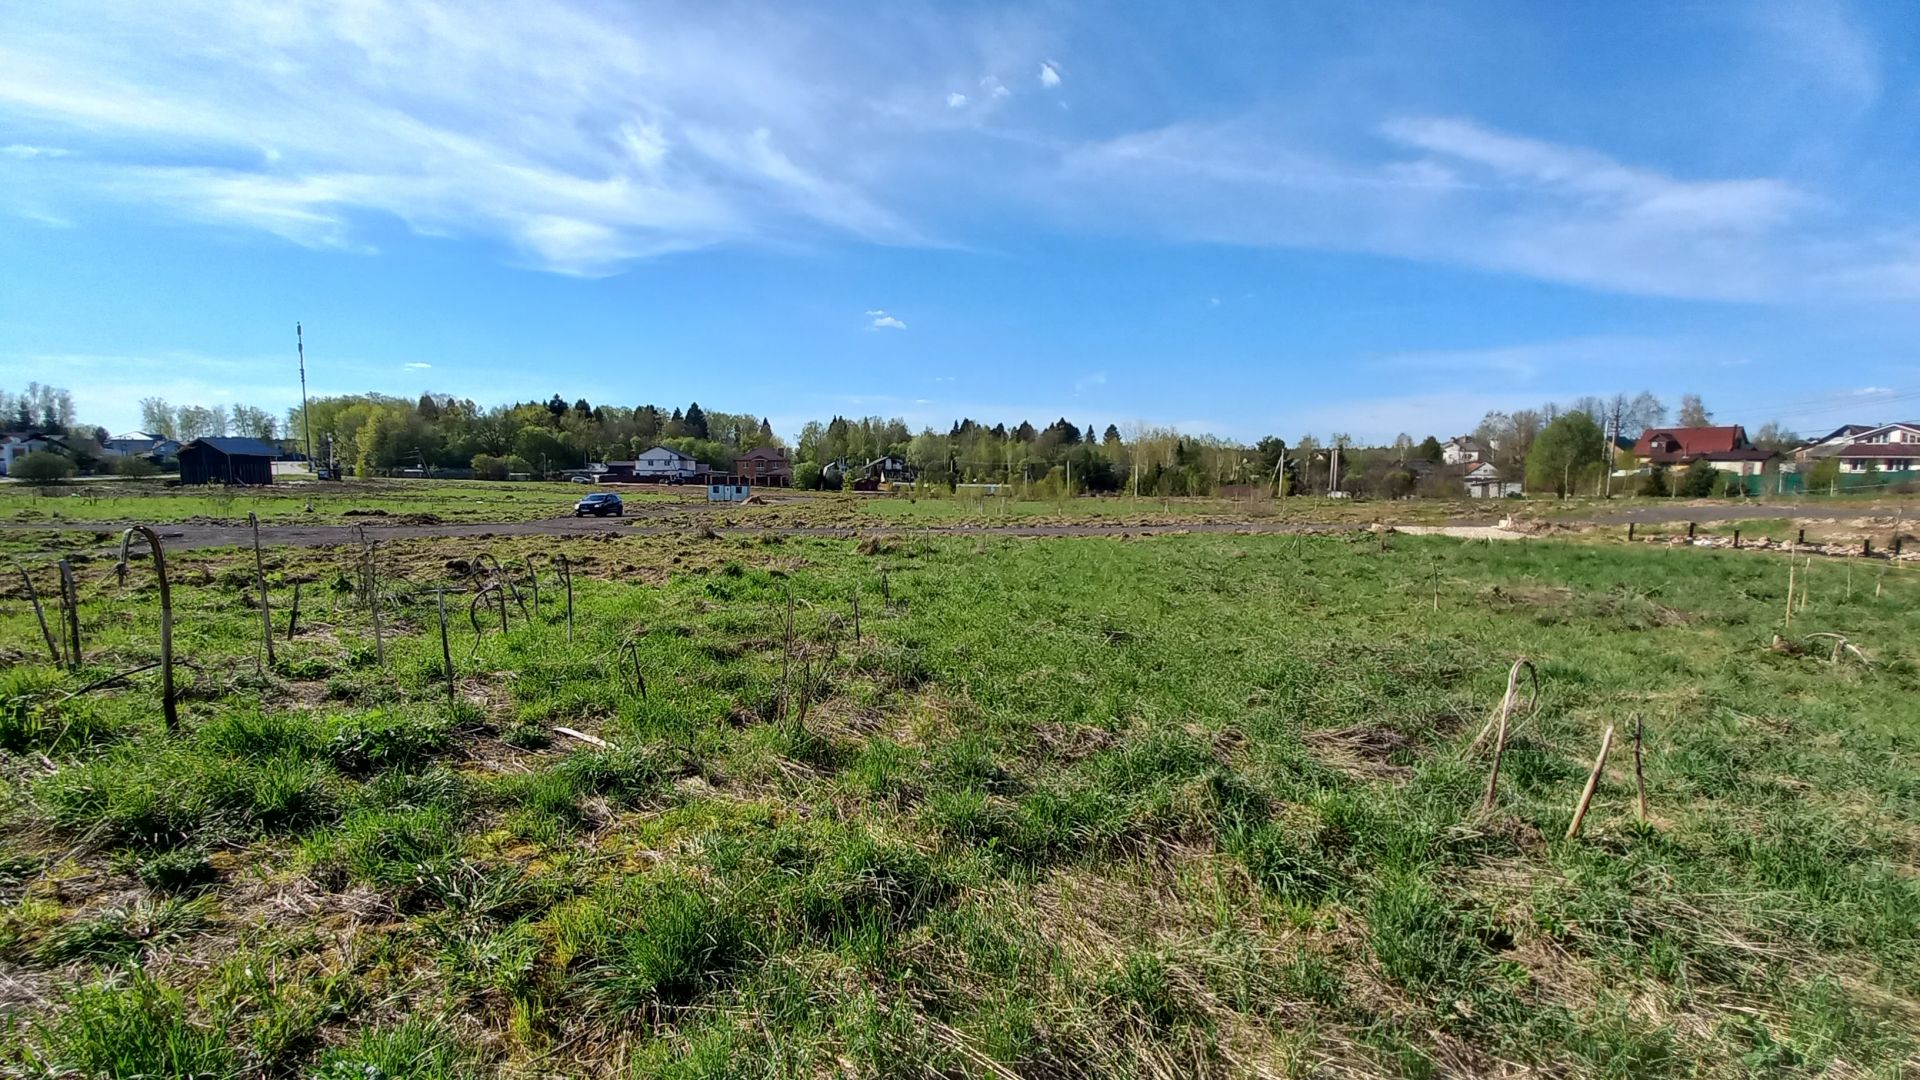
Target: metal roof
(235, 446)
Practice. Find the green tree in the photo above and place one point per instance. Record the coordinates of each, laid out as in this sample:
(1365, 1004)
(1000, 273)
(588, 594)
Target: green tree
(1429, 450)
(1698, 481)
(43, 467)
(695, 422)
(1564, 452)
(1824, 476)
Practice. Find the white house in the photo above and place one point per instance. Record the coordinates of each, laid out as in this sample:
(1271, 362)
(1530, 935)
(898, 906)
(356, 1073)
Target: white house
(1461, 449)
(1887, 447)
(1483, 480)
(664, 463)
(14, 447)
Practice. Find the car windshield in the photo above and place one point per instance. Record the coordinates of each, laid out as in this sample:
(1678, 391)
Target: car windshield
(602, 496)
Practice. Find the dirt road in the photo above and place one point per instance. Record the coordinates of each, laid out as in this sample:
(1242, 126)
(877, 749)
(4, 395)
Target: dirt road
(203, 535)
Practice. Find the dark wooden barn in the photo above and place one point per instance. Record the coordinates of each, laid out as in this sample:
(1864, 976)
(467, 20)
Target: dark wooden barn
(224, 460)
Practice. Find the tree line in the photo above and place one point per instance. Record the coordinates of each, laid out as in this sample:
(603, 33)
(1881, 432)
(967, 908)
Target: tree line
(1553, 447)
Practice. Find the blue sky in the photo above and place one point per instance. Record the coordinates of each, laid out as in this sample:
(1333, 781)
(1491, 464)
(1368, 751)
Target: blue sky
(1243, 218)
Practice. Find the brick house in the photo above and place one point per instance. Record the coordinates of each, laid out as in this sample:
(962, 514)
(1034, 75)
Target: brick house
(765, 466)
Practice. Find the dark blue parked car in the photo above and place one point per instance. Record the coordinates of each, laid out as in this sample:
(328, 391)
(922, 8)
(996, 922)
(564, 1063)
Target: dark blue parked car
(600, 504)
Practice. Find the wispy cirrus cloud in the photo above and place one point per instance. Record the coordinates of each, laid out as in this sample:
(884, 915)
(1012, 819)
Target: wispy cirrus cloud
(1452, 190)
(884, 321)
(584, 137)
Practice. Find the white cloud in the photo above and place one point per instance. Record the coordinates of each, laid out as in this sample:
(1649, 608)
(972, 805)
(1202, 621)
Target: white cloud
(1819, 41)
(416, 365)
(584, 137)
(995, 89)
(956, 100)
(1213, 301)
(1089, 381)
(21, 150)
(884, 321)
(1471, 195)
(1049, 75)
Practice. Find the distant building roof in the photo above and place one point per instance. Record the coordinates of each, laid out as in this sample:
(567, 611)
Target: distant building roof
(138, 436)
(1887, 450)
(235, 446)
(765, 452)
(659, 450)
(1691, 442)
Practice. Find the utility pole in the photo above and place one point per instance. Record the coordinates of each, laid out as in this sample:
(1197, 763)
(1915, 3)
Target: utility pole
(1613, 447)
(306, 422)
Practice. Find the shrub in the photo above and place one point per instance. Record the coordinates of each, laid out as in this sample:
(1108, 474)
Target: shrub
(488, 467)
(136, 467)
(43, 467)
(1698, 481)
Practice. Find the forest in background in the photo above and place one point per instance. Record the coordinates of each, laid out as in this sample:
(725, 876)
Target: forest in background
(1555, 447)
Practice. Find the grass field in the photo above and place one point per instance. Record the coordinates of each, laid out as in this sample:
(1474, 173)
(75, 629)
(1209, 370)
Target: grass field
(1188, 805)
(310, 502)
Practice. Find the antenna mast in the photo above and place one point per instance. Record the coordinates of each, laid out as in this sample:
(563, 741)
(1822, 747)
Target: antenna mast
(306, 422)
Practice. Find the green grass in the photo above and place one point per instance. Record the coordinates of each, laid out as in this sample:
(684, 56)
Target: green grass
(1188, 805)
(308, 502)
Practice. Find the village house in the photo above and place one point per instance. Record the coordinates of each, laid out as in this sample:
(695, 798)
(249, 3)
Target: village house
(892, 469)
(1482, 480)
(765, 466)
(144, 444)
(657, 464)
(1462, 449)
(15, 447)
(1725, 448)
(1862, 448)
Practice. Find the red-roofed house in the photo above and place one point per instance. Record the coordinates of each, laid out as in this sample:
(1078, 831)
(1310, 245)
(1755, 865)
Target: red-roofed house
(1723, 448)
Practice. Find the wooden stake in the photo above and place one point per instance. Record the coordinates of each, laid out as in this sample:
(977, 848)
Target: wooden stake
(446, 649)
(594, 740)
(70, 599)
(260, 579)
(293, 617)
(533, 583)
(373, 600)
(1500, 733)
(566, 574)
(856, 614)
(1639, 768)
(1791, 569)
(1593, 782)
(33, 594)
(167, 705)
